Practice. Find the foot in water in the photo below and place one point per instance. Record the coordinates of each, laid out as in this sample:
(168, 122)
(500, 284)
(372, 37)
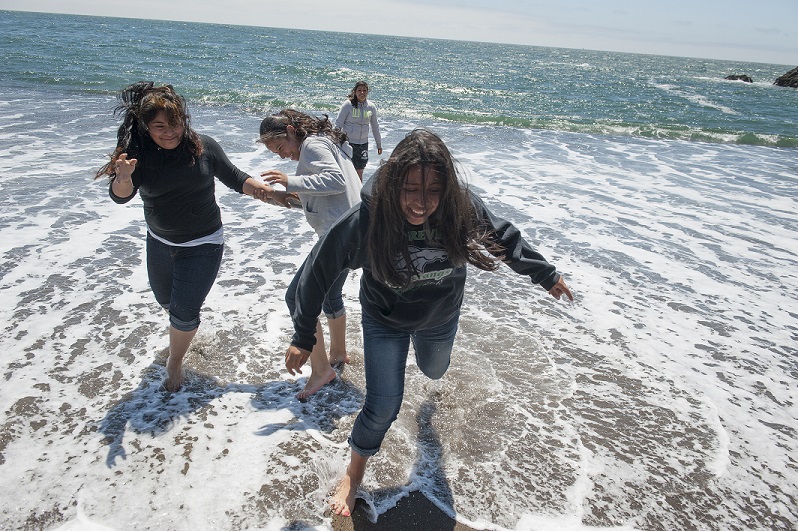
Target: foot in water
(342, 502)
(174, 379)
(316, 381)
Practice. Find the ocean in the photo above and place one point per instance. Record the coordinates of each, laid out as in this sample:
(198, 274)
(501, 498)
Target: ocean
(664, 397)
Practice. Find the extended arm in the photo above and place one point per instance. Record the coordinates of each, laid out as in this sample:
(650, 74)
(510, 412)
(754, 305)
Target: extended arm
(519, 255)
(339, 249)
(375, 130)
(239, 181)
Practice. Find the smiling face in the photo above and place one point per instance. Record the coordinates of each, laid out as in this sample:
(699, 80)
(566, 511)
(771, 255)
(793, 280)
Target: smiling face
(361, 93)
(421, 194)
(163, 134)
(286, 146)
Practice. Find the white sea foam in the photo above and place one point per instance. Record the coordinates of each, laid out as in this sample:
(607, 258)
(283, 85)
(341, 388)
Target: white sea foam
(694, 97)
(671, 377)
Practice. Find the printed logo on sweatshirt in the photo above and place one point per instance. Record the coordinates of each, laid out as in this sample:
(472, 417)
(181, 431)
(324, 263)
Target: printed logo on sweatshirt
(360, 113)
(421, 235)
(423, 261)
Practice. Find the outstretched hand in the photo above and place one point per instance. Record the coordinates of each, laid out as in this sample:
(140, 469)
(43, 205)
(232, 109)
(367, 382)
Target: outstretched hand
(560, 289)
(295, 358)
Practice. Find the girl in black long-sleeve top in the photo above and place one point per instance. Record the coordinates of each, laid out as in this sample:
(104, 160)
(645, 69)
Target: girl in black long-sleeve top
(173, 170)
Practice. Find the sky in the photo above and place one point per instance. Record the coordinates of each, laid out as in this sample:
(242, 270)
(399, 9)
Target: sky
(762, 31)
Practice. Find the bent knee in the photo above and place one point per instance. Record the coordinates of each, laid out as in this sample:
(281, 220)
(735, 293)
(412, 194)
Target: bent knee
(434, 371)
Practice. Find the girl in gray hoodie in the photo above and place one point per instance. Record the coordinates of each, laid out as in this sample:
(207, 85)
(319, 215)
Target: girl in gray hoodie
(328, 186)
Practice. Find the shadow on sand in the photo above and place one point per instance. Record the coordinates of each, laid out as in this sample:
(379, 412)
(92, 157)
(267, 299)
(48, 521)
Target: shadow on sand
(150, 409)
(413, 510)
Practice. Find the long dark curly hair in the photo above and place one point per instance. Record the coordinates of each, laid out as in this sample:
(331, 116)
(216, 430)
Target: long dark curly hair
(276, 126)
(139, 103)
(465, 239)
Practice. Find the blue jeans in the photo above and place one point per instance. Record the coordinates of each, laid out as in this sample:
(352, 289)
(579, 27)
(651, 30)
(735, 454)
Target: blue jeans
(385, 352)
(333, 304)
(181, 278)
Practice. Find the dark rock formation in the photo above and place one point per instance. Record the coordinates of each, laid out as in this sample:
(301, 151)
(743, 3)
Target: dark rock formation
(790, 79)
(740, 77)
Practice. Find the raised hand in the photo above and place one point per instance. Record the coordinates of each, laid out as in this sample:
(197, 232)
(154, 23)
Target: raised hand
(275, 177)
(123, 168)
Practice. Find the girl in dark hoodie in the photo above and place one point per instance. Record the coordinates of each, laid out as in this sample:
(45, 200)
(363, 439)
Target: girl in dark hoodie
(413, 234)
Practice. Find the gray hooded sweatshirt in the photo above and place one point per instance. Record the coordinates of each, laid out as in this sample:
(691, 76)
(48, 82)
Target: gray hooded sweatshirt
(325, 180)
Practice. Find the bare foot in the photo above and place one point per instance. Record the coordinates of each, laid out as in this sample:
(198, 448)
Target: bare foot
(342, 502)
(175, 375)
(337, 358)
(174, 384)
(316, 381)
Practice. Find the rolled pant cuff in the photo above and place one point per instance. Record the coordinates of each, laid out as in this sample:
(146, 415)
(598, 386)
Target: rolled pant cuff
(335, 315)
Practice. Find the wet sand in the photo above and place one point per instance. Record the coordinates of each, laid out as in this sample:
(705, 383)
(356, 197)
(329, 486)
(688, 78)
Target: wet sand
(414, 511)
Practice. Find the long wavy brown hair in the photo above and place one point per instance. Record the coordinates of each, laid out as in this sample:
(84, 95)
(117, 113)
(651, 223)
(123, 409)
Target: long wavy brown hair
(464, 237)
(139, 103)
(276, 126)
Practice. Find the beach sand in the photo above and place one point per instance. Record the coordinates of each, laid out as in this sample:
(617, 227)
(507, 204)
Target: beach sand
(414, 511)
